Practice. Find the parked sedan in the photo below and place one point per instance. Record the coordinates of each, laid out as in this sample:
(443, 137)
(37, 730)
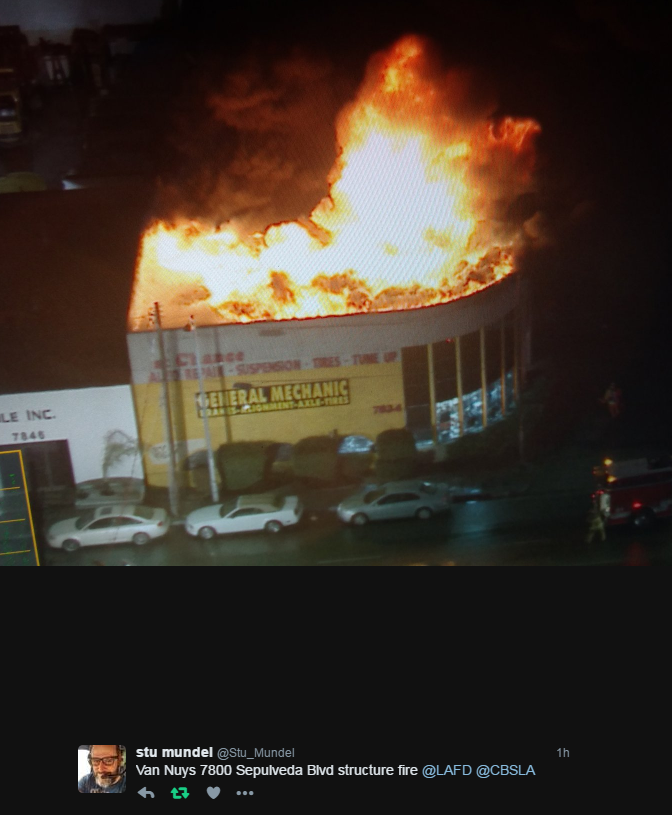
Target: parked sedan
(245, 514)
(123, 523)
(397, 499)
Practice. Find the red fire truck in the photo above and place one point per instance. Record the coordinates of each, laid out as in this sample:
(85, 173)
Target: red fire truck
(635, 491)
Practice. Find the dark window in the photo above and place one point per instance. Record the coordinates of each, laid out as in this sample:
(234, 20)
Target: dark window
(470, 351)
(372, 496)
(415, 371)
(417, 419)
(493, 368)
(226, 507)
(83, 520)
(445, 371)
(508, 342)
(399, 498)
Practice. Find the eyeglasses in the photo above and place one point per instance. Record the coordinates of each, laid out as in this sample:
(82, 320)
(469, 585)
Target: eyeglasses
(108, 761)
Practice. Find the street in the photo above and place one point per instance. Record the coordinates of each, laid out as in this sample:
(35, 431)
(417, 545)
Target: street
(535, 531)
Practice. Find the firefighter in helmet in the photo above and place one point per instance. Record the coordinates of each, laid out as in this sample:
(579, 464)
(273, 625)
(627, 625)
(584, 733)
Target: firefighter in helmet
(595, 524)
(612, 399)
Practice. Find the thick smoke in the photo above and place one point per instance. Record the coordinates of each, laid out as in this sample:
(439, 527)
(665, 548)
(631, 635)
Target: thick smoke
(260, 148)
(260, 145)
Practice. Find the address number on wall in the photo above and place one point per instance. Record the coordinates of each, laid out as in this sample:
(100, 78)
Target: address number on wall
(34, 436)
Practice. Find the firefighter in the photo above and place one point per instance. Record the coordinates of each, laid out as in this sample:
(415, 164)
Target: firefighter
(612, 399)
(595, 525)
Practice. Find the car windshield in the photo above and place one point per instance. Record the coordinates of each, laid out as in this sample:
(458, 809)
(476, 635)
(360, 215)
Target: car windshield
(428, 489)
(227, 506)
(370, 497)
(84, 520)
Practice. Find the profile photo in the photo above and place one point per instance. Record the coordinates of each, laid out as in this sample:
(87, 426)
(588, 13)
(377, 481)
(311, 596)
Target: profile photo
(101, 768)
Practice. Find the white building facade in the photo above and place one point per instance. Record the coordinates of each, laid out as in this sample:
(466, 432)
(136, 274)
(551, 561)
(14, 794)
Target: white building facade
(71, 436)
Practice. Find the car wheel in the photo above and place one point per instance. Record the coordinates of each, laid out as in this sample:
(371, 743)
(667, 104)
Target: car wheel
(644, 518)
(140, 538)
(424, 513)
(206, 533)
(273, 526)
(359, 519)
(70, 545)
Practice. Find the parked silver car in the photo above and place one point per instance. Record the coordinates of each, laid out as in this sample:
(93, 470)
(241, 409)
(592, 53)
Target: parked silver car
(124, 523)
(245, 514)
(396, 499)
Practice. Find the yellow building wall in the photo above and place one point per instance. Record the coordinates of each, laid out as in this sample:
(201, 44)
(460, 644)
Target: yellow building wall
(374, 396)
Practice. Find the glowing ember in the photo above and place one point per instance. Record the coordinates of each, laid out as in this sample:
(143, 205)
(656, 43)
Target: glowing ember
(413, 218)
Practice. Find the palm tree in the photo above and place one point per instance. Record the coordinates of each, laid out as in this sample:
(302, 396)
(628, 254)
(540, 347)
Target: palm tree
(118, 445)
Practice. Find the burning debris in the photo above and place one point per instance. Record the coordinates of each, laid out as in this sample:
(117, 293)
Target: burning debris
(413, 216)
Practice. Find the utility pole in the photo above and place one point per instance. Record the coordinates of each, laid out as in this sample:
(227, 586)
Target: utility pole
(432, 395)
(460, 394)
(214, 488)
(484, 380)
(167, 421)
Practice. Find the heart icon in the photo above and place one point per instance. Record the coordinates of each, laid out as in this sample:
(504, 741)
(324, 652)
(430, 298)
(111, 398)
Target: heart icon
(213, 792)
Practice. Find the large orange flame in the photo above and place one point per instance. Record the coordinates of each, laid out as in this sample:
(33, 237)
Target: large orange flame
(413, 217)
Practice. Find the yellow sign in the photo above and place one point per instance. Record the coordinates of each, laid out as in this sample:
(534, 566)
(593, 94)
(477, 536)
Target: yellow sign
(18, 546)
(290, 396)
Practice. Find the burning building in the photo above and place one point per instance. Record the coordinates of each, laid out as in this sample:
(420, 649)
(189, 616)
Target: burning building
(392, 304)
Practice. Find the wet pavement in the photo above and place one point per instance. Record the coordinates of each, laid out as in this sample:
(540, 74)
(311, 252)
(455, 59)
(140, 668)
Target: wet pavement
(544, 533)
(532, 514)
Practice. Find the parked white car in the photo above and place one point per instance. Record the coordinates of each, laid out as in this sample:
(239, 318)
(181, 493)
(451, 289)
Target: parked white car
(124, 523)
(245, 514)
(108, 491)
(396, 499)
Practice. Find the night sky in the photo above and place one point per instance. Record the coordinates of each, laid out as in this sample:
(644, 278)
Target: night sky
(593, 74)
